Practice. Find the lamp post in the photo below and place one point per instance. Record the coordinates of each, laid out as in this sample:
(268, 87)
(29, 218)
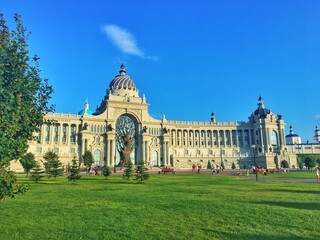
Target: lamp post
(254, 160)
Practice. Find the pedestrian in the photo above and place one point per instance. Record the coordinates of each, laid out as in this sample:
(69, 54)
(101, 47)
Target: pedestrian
(239, 173)
(317, 174)
(212, 170)
(193, 167)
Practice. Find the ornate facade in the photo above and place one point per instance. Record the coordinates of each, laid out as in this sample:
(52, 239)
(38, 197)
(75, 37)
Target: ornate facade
(163, 142)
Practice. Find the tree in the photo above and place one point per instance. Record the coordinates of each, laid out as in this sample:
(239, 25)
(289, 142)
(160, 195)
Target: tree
(141, 172)
(37, 172)
(233, 166)
(244, 166)
(309, 162)
(9, 186)
(87, 159)
(209, 166)
(128, 171)
(53, 165)
(74, 170)
(125, 137)
(24, 95)
(106, 171)
(28, 162)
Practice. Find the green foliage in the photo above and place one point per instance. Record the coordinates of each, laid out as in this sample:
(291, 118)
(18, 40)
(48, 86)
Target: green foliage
(141, 172)
(37, 172)
(233, 166)
(128, 171)
(88, 159)
(28, 162)
(308, 160)
(53, 165)
(24, 95)
(209, 166)
(8, 184)
(74, 171)
(244, 166)
(106, 171)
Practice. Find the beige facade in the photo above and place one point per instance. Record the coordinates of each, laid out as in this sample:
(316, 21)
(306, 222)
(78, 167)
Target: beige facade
(163, 142)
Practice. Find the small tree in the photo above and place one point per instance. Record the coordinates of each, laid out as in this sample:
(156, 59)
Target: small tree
(8, 184)
(106, 171)
(209, 166)
(74, 171)
(53, 165)
(37, 172)
(141, 172)
(28, 162)
(233, 166)
(87, 159)
(222, 166)
(128, 171)
(244, 166)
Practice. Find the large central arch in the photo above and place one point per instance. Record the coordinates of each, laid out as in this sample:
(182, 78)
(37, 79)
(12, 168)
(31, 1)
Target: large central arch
(126, 139)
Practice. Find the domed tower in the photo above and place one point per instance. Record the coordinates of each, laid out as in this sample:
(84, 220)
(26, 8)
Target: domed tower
(316, 138)
(122, 85)
(292, 138)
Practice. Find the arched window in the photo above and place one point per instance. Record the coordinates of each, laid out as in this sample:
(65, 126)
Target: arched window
(273, 138)
(97, 156)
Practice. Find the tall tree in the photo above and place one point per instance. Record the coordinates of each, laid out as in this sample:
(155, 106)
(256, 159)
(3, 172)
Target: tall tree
(87, 159)
(28, 162)
(125, 137)
(53, 165)
(24, 95)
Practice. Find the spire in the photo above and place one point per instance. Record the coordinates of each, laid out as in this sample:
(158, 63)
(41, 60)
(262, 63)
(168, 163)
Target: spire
(260, 104)
(86, 106)
(291, 129)
(122, 69)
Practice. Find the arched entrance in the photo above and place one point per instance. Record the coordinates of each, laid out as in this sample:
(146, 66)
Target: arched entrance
(126, 139)
(284, 164)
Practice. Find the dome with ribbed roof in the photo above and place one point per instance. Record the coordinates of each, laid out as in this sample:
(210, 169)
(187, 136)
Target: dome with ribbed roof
(123, 85)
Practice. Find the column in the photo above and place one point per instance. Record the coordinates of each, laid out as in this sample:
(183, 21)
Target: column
(147, 152)
(143, 150)
(112, 151)
(224, 138)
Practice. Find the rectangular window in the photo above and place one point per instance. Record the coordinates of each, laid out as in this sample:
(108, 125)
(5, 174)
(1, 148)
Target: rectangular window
(56, 150)
(39, 150)
(72, 150)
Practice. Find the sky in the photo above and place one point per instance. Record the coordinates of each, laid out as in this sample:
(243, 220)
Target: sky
(189, 58)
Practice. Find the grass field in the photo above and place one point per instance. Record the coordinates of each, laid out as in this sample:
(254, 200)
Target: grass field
(165, 207)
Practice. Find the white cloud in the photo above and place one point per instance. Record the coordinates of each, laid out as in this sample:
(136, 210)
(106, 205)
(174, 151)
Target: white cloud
(123, 39)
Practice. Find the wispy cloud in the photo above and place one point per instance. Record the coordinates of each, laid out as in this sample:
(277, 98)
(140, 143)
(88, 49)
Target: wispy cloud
(123, 39)
(316, 117)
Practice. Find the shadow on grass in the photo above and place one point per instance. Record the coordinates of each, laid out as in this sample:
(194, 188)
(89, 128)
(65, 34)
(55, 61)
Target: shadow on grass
(295, 191)
(296, 205)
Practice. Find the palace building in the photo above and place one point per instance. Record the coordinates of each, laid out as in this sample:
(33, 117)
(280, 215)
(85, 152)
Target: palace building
(162, 142)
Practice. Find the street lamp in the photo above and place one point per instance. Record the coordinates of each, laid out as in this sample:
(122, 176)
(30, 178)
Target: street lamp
(254, 160)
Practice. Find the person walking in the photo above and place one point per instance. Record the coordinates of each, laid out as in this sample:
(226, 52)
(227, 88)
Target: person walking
(317, 174)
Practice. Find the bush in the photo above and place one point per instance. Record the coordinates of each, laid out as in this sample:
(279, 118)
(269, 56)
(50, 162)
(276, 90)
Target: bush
(106, 171)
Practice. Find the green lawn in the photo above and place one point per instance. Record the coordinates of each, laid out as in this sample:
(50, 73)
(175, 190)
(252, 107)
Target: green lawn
(165, 207)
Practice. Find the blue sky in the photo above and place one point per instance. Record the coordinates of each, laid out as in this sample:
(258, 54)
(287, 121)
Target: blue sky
(188, 57)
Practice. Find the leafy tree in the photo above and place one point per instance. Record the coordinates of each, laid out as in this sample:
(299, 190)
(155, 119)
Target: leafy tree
(141, 172)
(9, 186)
(24, 95)
(209, 166)
(87, 159)
(309, 162)
(74, 171)
(233, 166)
(53, 165)
(28, 162)
(37, 172)
(106, 171)
(128, 171)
